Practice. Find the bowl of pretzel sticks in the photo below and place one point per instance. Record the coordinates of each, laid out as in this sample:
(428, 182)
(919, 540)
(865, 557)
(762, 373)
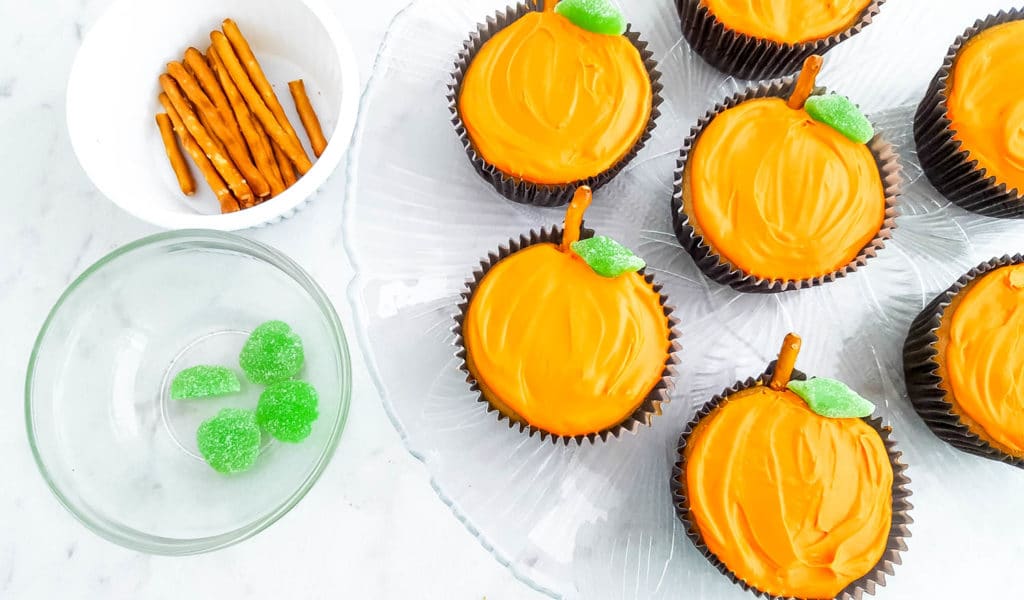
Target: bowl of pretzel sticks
(216, 114)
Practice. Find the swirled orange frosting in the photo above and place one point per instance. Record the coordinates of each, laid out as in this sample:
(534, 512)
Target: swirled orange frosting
(556, 345)
(548, 102)
(788, 21)
(985, 356)
(782, 196)
(793, 503)
(986, 104)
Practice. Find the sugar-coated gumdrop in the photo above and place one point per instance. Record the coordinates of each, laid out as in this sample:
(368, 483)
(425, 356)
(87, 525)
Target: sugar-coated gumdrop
(831, 398)
(839, 113)
(607, 257)
(272, 353)
(597, 16)
(287, 410)
(203, 381)
(230, 442)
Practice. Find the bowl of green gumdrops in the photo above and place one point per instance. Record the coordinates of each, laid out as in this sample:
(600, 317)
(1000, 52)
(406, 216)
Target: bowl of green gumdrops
(186, 391)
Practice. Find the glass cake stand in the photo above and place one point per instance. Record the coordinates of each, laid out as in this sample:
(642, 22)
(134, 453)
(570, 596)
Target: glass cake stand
(597, 521)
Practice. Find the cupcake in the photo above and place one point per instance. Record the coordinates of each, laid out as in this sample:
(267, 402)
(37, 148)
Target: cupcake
(969, 128)
(550, 97)
(564, 335)
(784, 187)
(960, 359)
(762, 40)
(789, 488)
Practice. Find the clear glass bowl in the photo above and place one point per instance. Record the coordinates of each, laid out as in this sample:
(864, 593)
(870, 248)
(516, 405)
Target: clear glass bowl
(115, 449)
(596, 521)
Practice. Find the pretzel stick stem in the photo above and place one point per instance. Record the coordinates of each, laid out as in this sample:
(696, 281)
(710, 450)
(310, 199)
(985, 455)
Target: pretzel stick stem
(222, 163)
(215, 123)
(210, 174)
(258, 78)
(292, 149)
(308, 117)
(260, 151)
(174, 155)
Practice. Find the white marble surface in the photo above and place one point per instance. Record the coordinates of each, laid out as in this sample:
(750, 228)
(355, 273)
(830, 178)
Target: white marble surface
(371, 528)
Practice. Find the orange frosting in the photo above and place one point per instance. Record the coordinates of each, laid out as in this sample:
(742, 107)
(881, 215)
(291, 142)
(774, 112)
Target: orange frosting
(782, 196)
(793, 503)
(985, 102)
(556, 345)
(985, 356)
(788, 21)
(548, 102)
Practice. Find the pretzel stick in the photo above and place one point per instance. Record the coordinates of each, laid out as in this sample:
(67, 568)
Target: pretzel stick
(267, 147)
(174, 155)
(213, 179)
(222, 163)
(196, 64)
(241, 116)
(292, 148)
(308, 117)
(287, 173)
(214, 122)
(259, 80)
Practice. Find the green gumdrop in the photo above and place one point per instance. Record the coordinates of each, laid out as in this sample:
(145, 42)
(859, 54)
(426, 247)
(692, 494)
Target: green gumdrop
(839, 113)
(203, 381)
(287, 410)
(831, 398)
(607, 257)
(597, 16)
(230, 442)
(272, 353)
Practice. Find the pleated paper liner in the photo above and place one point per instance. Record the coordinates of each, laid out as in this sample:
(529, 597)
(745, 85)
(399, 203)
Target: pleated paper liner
(750, 57)
(949, 168)
(900, 505)
(924, 374)
(515, 188)
(715, 266)
(651, 405)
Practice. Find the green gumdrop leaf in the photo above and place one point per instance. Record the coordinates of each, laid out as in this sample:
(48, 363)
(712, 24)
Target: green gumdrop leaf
(287, 410)
(832, 399)
(597, 16)
(839, 113)
(607, 257)
(230, 441)
(203, 381)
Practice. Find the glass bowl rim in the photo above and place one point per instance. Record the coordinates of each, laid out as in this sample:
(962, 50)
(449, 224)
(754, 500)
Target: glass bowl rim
(137, 540)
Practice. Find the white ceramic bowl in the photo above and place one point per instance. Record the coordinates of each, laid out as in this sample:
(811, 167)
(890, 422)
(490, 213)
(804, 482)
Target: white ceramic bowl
(113, 89)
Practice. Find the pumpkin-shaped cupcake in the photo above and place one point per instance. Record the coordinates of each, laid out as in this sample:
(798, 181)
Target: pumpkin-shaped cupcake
(781, 188)
(789, 488)
(960, 358)
(547, 97)
(761, 40)
(969, 128)
(564, 335)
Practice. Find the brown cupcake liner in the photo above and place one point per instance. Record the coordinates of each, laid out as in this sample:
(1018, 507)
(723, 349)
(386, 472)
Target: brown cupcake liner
(651, 405)
(900, 505)
(921, 369)
(520, 190)
(750, 57)
(715, 267)
(951, 170)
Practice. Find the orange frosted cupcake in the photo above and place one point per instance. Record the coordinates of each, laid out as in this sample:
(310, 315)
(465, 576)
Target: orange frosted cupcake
(760, 40)
(564, 335)
(543, 104)
(780, 189)
(789, 488)
(963, 372)
(970, 126)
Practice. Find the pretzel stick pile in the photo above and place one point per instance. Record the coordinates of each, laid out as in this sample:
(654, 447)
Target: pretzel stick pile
(228, 119)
